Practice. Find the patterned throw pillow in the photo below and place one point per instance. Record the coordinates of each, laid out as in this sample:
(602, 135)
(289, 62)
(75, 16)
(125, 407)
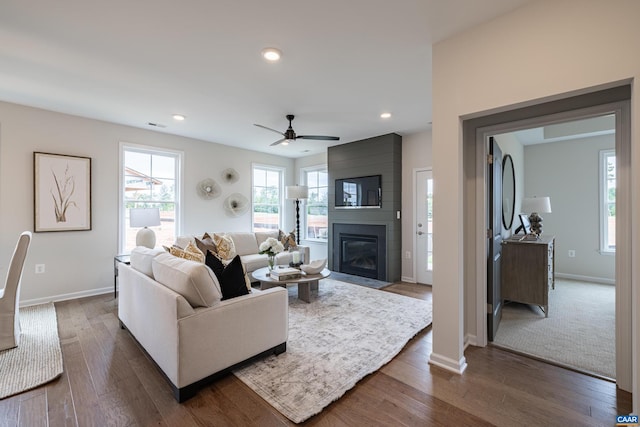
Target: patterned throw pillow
(287, 240)
(225, 246)
(191, 252)
(206, 244)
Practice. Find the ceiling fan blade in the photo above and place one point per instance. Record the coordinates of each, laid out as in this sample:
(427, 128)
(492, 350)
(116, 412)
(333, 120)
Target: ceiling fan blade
(320, 137)
(280, 141)
(272, 130)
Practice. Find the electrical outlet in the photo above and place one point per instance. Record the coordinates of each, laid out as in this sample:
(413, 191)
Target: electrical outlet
(572, 253)
(407, 254)
(39, 268)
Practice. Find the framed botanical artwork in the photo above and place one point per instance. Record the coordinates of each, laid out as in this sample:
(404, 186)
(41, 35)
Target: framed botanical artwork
(62, 192)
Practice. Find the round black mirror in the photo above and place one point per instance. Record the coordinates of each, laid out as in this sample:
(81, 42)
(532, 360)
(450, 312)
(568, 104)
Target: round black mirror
(508, 191)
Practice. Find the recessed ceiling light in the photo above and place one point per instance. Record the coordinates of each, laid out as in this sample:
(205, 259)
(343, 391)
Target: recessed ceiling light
(179, 117)
(385, 115)
(271, 54)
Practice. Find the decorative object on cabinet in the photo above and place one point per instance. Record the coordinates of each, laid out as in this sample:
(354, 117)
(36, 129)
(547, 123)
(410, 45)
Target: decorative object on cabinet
(508, 191)
(525, 225)
(62, 190)
(527, 271)
(297, 193)
(536, 205)
(208, 189)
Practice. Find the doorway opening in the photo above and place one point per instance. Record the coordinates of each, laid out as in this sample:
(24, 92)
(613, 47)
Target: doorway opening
(561, 284)
(476, 130)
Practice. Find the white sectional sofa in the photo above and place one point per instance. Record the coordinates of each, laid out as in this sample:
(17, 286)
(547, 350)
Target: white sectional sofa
(173, 308)
(247, 246)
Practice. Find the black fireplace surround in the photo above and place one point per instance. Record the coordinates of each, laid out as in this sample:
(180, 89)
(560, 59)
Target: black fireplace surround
(360, 249)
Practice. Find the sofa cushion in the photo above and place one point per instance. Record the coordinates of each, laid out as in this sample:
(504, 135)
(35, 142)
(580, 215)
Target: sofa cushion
(232, 277)
(254, 261)
(191, 279)
(141, 258)
(261, 236)
(244, 242)
(225, 246)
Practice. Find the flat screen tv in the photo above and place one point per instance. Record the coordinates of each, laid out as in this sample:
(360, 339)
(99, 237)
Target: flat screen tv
(359, 192)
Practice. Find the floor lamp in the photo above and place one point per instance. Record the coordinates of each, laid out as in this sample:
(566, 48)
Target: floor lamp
(297, 193)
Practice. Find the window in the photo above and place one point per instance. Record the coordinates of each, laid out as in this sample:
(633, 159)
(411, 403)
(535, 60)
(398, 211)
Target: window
(267, 198)
(150, 179)
(316, 224)
(608, 201)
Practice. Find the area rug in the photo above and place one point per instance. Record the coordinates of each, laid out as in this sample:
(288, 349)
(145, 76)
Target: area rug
(38, 358)
(344, 334)
(579, 332)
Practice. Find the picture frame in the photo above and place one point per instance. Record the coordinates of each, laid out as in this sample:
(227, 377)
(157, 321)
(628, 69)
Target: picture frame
(62, 192)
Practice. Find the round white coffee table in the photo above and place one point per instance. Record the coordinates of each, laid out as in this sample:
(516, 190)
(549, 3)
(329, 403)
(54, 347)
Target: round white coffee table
(306, 283)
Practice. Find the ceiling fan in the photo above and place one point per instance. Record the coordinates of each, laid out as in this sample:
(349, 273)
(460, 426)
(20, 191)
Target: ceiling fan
(290, 135)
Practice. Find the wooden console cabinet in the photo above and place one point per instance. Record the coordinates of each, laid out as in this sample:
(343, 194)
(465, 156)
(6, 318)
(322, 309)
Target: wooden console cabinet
(527, 271)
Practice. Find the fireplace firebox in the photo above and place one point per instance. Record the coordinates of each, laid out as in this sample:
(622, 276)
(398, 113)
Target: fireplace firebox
(360, 249)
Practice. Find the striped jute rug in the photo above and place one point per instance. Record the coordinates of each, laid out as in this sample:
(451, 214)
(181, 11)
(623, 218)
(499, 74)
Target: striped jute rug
(38, 358)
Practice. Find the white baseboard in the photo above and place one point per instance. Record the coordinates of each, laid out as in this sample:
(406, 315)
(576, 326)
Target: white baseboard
(451, 365)
(65, 297)
(408, 279)
(601, 280)
(470, 340)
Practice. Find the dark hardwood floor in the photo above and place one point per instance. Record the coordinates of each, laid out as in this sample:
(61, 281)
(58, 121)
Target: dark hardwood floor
(109, 381)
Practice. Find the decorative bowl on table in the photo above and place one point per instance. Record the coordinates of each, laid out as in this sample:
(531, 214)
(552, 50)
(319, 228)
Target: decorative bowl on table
(314, 267)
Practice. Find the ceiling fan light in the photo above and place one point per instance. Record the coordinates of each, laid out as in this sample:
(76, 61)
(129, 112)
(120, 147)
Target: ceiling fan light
(286, 142)
(271, 54)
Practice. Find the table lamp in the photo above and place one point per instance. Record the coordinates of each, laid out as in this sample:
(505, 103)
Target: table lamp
(145, 217)
(297, 193)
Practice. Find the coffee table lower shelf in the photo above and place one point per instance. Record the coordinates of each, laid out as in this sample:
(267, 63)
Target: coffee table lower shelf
(306, 283)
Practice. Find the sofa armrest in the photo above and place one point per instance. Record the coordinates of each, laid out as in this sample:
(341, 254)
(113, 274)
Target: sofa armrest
(150, 312)
(232, 331)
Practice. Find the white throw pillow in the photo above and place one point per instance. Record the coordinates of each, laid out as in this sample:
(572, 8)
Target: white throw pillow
(191, 279)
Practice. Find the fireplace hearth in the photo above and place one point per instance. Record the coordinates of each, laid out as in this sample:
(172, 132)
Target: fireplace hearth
(360, 249)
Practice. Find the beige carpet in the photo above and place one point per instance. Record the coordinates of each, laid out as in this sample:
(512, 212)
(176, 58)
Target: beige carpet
(346, 332)
(38, 358)
(579, 332)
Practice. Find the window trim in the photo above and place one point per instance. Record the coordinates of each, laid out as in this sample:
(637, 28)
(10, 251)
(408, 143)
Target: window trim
(303, 220)
(283, 171)
(602, 179)
(127, 146)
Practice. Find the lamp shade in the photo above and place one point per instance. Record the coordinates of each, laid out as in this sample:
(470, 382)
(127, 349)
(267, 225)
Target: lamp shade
(536, 204)
(144, 217)
(297, 192)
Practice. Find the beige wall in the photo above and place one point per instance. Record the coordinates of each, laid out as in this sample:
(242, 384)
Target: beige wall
(538, 52)
(416, 154)
(80, 263)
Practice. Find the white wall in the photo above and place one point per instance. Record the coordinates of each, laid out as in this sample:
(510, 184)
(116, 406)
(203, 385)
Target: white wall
(416, 154)
(567, 172)
(81, 263)
(538, 52)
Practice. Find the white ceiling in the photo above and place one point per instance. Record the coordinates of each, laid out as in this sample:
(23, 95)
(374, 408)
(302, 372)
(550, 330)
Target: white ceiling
(141, 61)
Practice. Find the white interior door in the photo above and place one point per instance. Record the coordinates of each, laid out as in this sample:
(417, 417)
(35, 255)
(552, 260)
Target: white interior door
(424, 227)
